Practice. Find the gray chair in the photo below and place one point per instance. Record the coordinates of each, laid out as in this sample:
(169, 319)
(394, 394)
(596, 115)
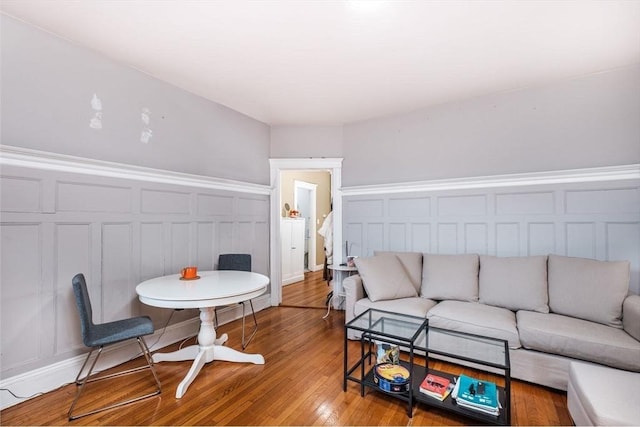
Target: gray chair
(97, 336)
(239, 262)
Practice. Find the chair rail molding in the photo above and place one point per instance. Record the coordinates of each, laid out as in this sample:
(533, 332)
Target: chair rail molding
(28, 158)
(596, 174)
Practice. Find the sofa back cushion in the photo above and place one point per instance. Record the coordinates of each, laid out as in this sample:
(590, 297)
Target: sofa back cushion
(384, 277)
(516, 283)
(412, 263)
(450, 277)
(588, 289)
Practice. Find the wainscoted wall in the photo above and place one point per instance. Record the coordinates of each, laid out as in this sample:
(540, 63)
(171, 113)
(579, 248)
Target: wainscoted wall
(598, 220)
(117, 232)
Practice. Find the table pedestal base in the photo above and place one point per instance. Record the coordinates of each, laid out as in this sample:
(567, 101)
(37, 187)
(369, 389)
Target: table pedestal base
(208, 349)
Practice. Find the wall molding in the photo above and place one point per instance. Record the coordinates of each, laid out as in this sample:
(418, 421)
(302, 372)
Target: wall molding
(48, 378)
(598, 174)
(28, 158)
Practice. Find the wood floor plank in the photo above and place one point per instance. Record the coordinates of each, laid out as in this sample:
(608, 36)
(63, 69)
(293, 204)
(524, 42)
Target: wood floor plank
(300, 384)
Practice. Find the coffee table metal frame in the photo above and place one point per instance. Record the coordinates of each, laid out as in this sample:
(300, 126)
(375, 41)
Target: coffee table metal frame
(393, 328)
(405, 331)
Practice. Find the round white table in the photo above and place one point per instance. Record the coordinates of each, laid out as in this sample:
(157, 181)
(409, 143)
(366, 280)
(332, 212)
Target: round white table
(212, 289)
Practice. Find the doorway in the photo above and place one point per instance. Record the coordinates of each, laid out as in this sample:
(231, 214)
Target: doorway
(308, 195)
(334, 167)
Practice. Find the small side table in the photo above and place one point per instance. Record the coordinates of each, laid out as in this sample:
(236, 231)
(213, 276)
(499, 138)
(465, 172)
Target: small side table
(340, 272)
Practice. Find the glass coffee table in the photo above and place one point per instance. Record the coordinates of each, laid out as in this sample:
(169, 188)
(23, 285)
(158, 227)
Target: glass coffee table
(391, 328)
(414, 335)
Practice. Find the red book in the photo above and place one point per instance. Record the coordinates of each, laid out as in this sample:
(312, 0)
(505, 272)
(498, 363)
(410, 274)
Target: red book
(436, 386)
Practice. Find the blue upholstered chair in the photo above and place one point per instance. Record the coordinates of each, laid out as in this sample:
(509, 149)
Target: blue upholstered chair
(97, 336)
(239, 262)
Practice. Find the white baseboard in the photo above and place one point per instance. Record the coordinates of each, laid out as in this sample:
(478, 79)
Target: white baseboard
(293, 280)
(317, 267)
(42, 380)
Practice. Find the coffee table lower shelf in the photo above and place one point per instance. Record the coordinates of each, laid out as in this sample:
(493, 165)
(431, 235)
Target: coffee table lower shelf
(449, 404)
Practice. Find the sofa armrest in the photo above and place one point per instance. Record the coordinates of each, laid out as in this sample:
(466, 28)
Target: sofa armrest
(353, 291)
(631, 316)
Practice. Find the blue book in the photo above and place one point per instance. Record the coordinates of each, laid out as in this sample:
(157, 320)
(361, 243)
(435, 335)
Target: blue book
(477, 393)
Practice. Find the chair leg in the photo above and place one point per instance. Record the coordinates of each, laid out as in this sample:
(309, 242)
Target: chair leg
(81, 383)
(255, 328)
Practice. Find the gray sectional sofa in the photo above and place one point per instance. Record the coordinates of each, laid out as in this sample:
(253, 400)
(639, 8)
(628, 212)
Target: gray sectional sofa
(551, 309)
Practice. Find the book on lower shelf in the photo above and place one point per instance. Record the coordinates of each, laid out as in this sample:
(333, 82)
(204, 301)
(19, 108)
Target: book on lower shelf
(478, 395)
(436, 386)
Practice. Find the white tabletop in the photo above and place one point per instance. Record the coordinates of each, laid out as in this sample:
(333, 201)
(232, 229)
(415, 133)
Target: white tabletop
(214, 288)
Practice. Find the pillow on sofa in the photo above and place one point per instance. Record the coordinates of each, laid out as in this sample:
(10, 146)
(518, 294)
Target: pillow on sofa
(450, 277)
(412, 263)
(384, 277)
(588, 289)
(516, 283)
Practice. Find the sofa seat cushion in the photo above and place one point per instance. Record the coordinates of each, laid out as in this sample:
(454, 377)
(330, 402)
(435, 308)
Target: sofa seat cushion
(579, 339)
(476, 318)
(414, 306)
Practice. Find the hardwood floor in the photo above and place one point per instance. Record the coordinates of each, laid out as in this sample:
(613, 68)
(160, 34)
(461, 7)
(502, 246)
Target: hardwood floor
(300, 384)
(311, 292)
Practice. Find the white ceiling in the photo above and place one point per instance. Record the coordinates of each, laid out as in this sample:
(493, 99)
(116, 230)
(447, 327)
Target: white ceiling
(332, 62)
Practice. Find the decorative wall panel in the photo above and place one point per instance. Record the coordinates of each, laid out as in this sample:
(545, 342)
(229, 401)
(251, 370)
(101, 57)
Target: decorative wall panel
(21, 302)
(404, 207)
(252, 206)
(164, 202)
(354, 237)
(152, 245)
(420, 236)
(508, 239)
(117, 293)
(365, 208)
(20, 195)
(214, 205)
(621, 200)
(116, 231)
(622, 243)
(77, 197)
(206, 249)
(447, 238)
(398, 237)
(462, 205)
(72, 256)
(476, 238)
(598, 220)
(181, 255)
(581, 239)
(541, 238)
(525, 203)
(375, 236)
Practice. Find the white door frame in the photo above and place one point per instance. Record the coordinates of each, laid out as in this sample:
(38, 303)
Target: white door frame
(312, 218)
(275, 241)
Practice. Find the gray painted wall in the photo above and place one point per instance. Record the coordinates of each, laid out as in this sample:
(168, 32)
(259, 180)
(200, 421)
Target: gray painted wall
(47, 88)
(117, 231)
(306, 141)
(585, 122)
